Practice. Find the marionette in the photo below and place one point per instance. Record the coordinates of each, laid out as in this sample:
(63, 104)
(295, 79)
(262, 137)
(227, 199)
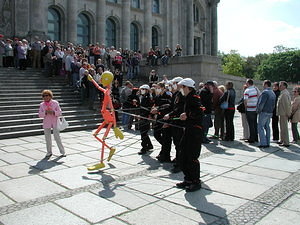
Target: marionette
(109, 118)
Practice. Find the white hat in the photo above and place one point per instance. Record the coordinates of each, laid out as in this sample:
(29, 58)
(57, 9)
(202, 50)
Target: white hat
(177, 79)
(145, 86)
(187, 82)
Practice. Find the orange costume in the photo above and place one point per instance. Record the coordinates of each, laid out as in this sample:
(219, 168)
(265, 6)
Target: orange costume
(109, 118)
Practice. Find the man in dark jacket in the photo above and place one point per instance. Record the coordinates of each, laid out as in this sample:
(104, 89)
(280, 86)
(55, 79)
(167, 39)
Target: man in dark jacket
(275, 119)
(206, 95)
(229, 96)
(192, 137)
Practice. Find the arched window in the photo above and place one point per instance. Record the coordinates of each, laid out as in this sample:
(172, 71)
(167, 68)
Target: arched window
(155, 6)
(134, 37)
(83, 30)
(135, 4)
(110, 33)
(196, 13)
(154, 37)
(54, 24)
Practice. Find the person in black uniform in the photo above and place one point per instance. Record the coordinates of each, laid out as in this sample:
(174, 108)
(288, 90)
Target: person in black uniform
(144, 124)
(160, 108)
(176, 132)
(192, 137)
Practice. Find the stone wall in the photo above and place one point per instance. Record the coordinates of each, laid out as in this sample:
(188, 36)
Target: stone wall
(200, 68)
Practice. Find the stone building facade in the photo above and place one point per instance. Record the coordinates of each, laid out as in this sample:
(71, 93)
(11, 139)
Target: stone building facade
(133, 24)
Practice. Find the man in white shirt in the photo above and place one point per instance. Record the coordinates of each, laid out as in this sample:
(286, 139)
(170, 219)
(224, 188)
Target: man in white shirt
(251, 95)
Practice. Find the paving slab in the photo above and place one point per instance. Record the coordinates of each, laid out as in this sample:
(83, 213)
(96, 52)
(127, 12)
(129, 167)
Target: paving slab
(13, 148)
(223, 162)
(149, 185)
(207, 201)
(280, 216)
(255, 152)
(34, 154)
(4, 200)
(12, 141)
(12, 158)
(73, 177)
(3, 177)
(32, 139)
(46, 165)
(91, 207)
(236, 157)
(252, 178)
(75, 160)
(35, 145)
(27, 188)
(18, 170)
(164, 213)
(47, 214)
(293, 203)
(112, 221)
(213, 169)
(277, 164)
(234, 187)
(272, 173)
(2, 163)
(121, 195)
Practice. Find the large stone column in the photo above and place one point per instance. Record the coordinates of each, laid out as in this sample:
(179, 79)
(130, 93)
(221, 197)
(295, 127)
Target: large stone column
(125, 24)
(175, 24)
(147, 42)
(100, 21)
(190, 28)
(39, 19)
(214, 27)
(72, 21)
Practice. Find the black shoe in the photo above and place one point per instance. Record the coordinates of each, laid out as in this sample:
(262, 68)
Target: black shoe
(183, 185)
(142, 152)
(163, 160)
(149, 147)
(193, 187)
(284, 145)
(176, 169)
(263, 146)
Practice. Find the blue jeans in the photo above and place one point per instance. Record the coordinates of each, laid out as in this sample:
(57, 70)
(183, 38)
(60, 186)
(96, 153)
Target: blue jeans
(264, 128)
(206, 124)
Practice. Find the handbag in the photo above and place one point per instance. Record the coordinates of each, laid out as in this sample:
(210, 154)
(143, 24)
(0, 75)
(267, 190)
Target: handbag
(224, 105)
(62, 123)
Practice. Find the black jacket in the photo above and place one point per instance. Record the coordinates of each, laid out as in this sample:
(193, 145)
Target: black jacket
(206, 100)
(193, 109)
(231, 99)
(146, 104)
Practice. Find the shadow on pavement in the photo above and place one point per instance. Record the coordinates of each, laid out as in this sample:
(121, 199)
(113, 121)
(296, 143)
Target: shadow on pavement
(44, 164)
(206, 209)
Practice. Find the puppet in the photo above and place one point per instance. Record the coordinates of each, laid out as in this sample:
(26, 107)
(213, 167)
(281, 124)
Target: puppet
(109, 119)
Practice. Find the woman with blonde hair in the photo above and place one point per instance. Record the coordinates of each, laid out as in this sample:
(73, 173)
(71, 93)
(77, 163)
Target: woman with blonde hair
(50, 111)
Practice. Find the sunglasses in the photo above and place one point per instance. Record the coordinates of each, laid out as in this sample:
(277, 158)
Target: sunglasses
(45, 95)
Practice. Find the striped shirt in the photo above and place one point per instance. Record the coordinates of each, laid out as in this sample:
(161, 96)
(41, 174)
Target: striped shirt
(251, 94)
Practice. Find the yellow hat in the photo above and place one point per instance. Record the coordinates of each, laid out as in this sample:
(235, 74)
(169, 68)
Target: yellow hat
(107, 78)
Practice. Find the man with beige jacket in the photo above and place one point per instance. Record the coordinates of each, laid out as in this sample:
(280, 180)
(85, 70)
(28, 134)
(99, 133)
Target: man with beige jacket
(284, 112)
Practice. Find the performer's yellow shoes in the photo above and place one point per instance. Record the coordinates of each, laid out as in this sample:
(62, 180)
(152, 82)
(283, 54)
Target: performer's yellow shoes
(111, 153)
(118, 133)
(96, 166)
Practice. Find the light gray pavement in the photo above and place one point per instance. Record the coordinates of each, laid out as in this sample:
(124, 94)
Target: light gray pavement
(241, 184)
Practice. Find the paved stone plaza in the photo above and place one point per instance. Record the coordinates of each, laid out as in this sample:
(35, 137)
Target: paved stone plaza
(241, 184)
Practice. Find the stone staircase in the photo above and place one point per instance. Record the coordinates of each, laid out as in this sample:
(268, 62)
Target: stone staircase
(20, 96)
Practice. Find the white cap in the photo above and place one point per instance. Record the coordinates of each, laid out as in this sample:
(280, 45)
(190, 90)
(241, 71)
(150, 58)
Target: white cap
(145, 86)
(187, 82)
(177, 79)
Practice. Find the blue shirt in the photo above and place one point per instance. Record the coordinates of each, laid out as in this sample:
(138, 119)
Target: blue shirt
(266, 101)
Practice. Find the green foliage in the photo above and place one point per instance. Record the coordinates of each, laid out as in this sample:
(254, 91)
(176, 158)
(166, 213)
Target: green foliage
(232, 63)
(281, 65)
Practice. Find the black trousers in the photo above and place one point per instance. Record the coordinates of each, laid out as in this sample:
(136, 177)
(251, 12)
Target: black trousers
(252, 121)
(144, 128)
(158, 132)
(275, 127)
(229, 134)
(189, 153)
(166, 143)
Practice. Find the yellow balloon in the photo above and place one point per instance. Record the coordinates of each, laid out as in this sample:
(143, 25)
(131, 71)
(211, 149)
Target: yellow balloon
(107, 78)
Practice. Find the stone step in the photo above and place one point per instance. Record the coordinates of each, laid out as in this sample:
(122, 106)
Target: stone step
(38, 90)
(23, 95)
(37, 120)
(35, 110)
(16, 115)
(64, 97)
(25, 127)
(35, 106)
(25, 133)
(37, 101)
